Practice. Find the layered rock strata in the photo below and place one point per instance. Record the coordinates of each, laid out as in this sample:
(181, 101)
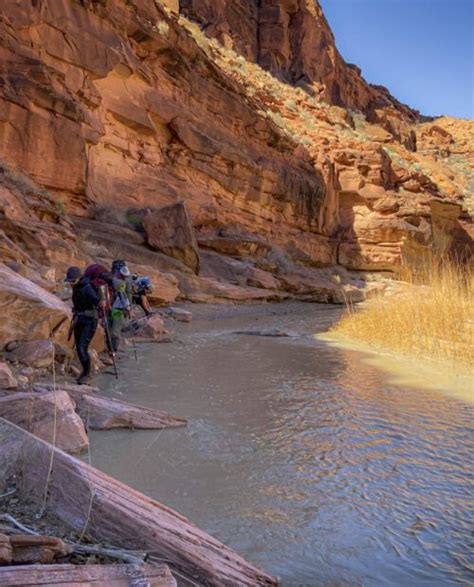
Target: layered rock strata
(111, 111)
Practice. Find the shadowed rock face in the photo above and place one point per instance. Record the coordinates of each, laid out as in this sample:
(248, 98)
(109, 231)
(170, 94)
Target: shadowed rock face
(170, 231)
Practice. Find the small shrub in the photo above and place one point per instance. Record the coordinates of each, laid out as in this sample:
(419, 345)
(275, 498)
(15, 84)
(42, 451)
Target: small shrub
(163, 28)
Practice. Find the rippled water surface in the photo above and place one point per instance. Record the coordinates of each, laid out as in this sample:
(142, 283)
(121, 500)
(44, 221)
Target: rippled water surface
(300, 456)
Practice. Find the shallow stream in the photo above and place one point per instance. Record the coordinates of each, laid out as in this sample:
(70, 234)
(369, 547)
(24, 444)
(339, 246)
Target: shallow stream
(302, 457)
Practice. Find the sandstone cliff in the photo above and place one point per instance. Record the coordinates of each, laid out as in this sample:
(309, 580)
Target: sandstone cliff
(292, 38)
(110, 109)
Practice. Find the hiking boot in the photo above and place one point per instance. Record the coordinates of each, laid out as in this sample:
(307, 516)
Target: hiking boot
(84, 380)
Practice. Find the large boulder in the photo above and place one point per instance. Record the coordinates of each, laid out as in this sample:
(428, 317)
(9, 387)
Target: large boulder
(170, 231)
(28, 311)
(149, 327)
(180, 315)
(33, 353)
(42, 412)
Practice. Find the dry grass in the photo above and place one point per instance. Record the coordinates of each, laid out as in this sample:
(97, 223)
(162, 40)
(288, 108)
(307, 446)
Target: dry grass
(433, 320)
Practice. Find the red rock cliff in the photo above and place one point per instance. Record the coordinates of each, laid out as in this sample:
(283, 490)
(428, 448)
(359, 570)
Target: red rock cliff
(121, 104)
(292, 38)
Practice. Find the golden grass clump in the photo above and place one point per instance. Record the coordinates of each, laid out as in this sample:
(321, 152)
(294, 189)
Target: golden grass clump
(431, 320)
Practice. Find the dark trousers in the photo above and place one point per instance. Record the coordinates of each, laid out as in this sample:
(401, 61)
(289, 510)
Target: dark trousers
(141, 300)
(84, 330)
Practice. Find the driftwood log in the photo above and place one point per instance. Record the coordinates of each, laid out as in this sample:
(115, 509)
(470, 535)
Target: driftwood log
(114, 514)
(103, 413)
(88, 576)
(30, 549)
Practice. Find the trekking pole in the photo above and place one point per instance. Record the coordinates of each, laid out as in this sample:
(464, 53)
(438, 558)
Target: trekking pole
(134, 349)
(105, 324)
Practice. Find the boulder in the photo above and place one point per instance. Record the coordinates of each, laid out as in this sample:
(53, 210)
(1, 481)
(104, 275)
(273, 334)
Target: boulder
(28, 311)
(7, 381)
(235, 271)
(170, 231)
(33, 353)
(180, 315)
(149, 327)
(37, 412)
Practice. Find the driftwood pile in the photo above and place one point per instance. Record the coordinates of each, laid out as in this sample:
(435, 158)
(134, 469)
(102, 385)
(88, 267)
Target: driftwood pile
(89, 502)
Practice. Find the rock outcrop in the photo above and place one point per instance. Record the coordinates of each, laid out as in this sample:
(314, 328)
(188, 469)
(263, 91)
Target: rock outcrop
(21, 300)
(170, 231)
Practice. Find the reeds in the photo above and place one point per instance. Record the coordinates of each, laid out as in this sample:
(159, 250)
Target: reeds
(431, 316)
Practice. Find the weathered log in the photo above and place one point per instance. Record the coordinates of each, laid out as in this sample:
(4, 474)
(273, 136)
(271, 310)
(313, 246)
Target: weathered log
(37, 549)
(103, 413)
(6, 550)
(30, 549)
(115, 514)
(88, 575)
(117, 553)
(48, 414)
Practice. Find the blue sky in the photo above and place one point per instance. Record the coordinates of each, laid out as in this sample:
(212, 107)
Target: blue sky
(422, 50)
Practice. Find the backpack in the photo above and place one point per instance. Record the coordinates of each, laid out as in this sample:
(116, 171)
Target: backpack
(98, 275)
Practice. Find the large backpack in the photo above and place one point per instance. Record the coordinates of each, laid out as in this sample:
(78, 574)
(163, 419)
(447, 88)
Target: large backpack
(98, 276)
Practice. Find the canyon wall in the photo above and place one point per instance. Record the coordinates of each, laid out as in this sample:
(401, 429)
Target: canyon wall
(118, 107)
(292, 38)
(113, 104)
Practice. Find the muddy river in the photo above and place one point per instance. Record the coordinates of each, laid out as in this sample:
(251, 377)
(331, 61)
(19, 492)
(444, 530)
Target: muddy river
(302, 457)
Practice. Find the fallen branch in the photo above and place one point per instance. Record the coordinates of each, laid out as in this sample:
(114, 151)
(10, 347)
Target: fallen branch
(123, 555)
(17, 524)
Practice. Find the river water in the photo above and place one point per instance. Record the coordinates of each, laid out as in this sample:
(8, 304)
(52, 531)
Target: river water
(302, 457)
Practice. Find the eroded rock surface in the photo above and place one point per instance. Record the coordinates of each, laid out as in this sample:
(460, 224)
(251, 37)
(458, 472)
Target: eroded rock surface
(222, 155)
(50, 415)
(29, 311)
(170, 230)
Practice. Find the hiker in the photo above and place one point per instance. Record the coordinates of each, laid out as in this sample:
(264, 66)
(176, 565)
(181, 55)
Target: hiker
(140, 288)
(120, 309)
(86, 302)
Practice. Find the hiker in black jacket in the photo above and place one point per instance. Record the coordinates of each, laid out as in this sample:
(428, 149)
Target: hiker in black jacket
(86, 301)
